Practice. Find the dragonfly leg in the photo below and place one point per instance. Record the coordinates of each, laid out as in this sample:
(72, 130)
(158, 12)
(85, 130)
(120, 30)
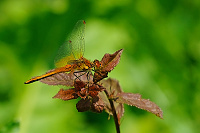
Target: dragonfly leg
(77, 77)
(88, 76)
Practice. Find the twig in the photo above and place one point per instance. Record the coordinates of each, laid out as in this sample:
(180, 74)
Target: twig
(113, 112)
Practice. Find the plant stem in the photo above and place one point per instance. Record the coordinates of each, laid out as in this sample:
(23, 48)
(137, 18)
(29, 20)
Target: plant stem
(113, 112)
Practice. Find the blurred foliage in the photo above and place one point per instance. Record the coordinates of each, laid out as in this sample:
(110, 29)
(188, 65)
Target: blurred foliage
(161, 41)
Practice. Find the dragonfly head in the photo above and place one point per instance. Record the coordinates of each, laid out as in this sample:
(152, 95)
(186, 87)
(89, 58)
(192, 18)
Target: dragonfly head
(96, 64)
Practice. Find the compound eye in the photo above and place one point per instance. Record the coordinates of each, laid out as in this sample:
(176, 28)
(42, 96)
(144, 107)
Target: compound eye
(100, 64)
(97, 63)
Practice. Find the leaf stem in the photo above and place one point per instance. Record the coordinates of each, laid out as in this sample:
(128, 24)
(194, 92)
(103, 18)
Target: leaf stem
(113, 112)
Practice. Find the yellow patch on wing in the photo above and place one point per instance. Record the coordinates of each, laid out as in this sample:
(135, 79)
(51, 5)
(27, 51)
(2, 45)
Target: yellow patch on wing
(64, 61)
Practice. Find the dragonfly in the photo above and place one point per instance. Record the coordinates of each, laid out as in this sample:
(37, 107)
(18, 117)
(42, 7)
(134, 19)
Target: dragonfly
(70, 56)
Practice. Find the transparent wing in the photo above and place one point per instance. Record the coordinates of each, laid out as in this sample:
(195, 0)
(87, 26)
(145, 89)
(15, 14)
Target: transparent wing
(73, 49)
(77, 39)
(64, 55)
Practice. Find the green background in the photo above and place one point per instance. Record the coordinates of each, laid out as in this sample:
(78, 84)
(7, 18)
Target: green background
(161, 41)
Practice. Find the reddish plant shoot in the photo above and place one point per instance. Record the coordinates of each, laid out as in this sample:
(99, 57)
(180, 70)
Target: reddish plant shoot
(86, 80)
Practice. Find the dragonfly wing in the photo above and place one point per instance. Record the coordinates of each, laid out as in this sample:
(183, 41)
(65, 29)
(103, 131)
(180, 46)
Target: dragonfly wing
(64, 55)
(77, 39)
(73, 49)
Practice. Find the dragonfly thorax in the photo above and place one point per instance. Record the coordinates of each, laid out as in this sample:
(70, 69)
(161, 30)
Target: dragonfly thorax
(81, 64)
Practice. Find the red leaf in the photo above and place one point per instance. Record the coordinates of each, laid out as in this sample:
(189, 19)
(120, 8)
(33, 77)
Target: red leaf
(79, 85)
(80, 89)
(136, 100)
(113, 88)
(109, 61)
(82, 93)
(99, 75)
(83, 105)
(66, 79)
(94, 90)
(66, 94)
(94, 104)
(84, 89)
(97, 105)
